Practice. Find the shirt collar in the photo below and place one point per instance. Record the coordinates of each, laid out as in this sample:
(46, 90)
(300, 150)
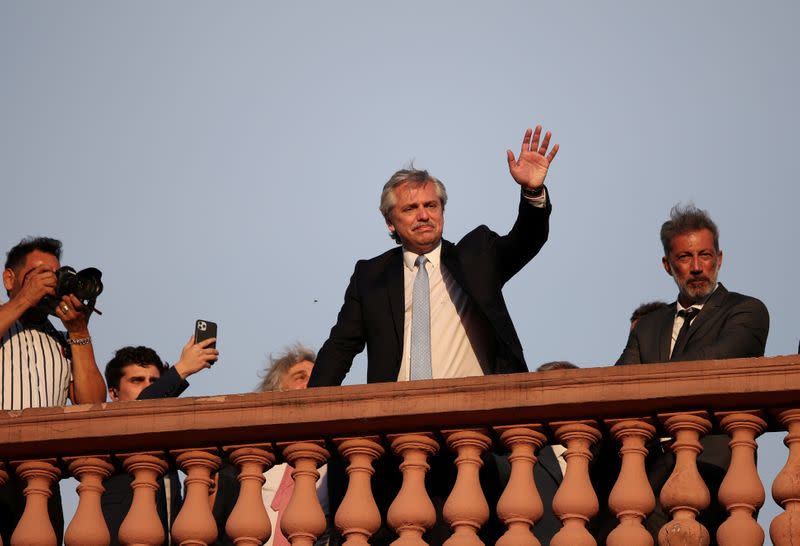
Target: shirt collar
(434, 257)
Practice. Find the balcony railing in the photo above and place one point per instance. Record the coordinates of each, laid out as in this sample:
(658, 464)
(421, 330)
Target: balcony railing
(519, 413)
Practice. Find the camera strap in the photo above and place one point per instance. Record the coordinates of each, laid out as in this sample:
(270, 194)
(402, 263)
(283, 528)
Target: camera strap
(48, 328)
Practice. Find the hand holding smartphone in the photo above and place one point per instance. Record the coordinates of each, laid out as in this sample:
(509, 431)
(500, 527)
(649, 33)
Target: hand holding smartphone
(203, 330)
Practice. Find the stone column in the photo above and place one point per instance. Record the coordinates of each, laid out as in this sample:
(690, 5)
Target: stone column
(195, 524)
(304, 519)
(685, 494)
(358, 517)
(412, 512)
(248, 523)
(142, 526)
(575, 501)
(88, 527)
(785, 528)
(632, 498)
(741, 492)
(3, 481)
(466, 509)
(34, 527)
(520, 504)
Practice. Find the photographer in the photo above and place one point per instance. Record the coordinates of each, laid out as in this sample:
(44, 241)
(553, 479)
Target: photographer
(40, 366)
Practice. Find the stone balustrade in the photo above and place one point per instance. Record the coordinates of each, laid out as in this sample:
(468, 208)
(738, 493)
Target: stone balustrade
(410, 423)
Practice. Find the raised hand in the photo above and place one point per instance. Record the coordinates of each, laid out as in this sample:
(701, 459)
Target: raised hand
(530, 170)
(196, 357)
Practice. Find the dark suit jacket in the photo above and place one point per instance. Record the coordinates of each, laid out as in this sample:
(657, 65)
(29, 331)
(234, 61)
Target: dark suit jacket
(730, 325)
(548, 477)
(373, 310)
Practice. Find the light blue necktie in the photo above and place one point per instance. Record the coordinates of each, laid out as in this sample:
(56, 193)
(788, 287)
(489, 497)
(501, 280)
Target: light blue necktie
(420, 367)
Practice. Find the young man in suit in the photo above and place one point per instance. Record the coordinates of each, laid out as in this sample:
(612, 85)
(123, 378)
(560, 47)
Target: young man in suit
(706, 322)
(138, 373)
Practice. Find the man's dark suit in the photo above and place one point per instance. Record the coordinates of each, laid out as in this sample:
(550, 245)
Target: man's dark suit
(373, 310)
(548, 477)
(118, 495)
(730, 325)
(373, 315)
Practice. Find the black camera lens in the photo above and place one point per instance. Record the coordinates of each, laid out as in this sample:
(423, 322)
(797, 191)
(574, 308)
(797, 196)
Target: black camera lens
(84, 285)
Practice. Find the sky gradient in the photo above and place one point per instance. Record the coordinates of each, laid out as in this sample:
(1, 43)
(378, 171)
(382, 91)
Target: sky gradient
(224, 160)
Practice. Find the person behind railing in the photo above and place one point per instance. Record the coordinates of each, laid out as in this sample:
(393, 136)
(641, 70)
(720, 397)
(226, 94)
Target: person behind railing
(462, 326)
(41, 366)
(138, 373)
(287, 371)
(548, 472)
(646, 309)
(432, 309)
(706, 322)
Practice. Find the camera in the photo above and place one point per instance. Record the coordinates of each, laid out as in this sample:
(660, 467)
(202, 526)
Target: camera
(84, 285)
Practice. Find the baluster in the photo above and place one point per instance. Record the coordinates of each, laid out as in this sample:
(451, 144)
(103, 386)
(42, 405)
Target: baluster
(575, 501)
(741, 491)
(88, 527)
(685, 494)
(466, 509)
(304, 519)
(35, 527)
(785, 528)
(3, 481)
(520, 504)
(195, 524)
(358, 517)
(412, 511)
(632, 498)
(248, 523)
(142, 526)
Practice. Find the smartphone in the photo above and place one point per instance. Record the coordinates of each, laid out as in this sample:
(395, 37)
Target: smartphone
(204, 329)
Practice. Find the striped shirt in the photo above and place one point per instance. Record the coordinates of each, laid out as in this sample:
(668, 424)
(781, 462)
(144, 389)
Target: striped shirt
(34, 373)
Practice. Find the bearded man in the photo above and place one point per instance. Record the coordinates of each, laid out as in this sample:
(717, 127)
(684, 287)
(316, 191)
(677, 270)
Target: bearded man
(706, 322)
(721, 324)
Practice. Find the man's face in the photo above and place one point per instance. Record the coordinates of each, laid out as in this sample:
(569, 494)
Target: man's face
(297, 376)
(417, 216)
(694, 264)
(13, 280)
(135, 378)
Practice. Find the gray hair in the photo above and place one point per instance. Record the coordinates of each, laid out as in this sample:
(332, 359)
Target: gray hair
(413, 176)
(279, 366)
(685, 219)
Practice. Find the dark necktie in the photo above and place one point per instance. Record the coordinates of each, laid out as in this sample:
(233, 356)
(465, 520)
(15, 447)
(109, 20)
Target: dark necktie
(688, 314)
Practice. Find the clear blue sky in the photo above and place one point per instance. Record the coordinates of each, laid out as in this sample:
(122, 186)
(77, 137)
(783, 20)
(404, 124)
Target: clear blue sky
(224, 160)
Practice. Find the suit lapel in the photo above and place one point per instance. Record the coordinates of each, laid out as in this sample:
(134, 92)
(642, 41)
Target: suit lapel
(665, 331)
(702, 318)
(450, 261)
(548, 461)
(394, 291)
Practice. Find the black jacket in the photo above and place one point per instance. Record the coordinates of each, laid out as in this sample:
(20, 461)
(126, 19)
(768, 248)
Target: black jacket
(373, 311)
